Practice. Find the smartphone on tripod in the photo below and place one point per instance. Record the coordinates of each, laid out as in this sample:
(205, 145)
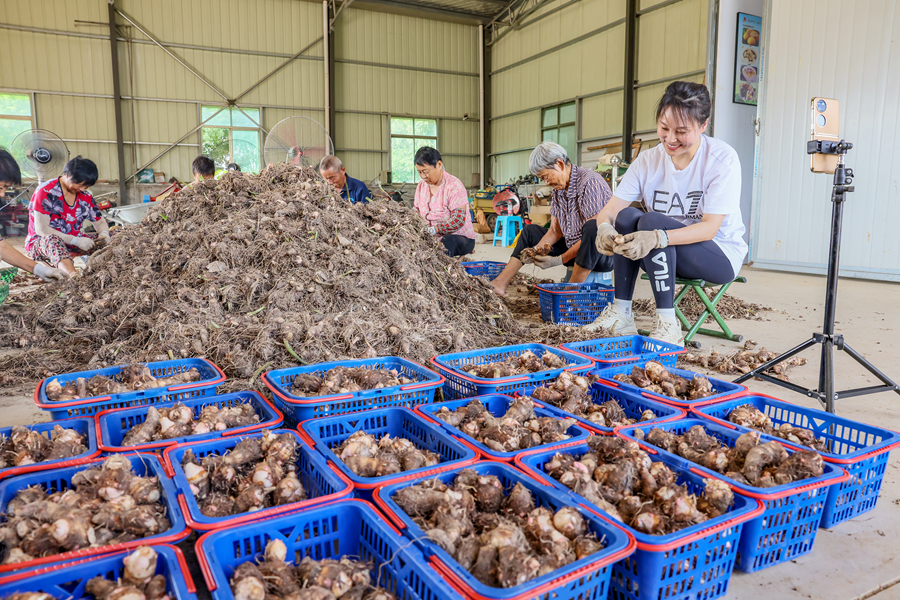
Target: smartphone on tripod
(824, 127)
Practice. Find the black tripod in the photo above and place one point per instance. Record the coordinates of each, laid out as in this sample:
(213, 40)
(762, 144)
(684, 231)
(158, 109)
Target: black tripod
(829, 340)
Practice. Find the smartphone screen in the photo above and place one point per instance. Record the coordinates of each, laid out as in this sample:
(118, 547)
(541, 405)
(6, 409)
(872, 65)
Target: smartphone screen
(824, 127)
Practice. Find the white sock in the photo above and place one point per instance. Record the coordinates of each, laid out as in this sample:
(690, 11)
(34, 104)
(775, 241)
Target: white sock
(668, 313)
(624, 306)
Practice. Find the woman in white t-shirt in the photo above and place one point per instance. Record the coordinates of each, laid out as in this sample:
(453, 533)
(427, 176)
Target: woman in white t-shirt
(690, 188)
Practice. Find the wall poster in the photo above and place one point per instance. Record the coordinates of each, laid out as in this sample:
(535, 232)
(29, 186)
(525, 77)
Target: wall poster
(747, 56)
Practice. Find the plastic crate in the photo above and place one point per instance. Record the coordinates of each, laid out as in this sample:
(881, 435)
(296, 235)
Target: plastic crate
(210, 378)
(585, 579)
(625, 350)
(83, 426)
(573, 303)
(68, 580)
(61, 478)
(351, 528)
(483, 268)
(863, 450)
(460, 384)
(300, 408)
(723, 390)
(6, 276)
(695, 562)
(325, 435)
(112, 425)
(787, 528)
(321, 481)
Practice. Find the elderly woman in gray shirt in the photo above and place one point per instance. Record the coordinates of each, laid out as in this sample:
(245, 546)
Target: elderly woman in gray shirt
(578, 196)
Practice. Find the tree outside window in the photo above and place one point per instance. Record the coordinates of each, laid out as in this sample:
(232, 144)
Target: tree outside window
(558, 125)
(407, 136)
(15, 117)
(232, 137)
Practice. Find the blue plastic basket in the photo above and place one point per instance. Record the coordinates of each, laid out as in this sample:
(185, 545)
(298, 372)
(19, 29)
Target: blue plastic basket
(625, 350)
(351, 528)
(787, 528)
(210, 378)
(68, 580)
(573, 303)
(321, 481)
(460, 384)
(695, 562)
(61, 479)
(300, 408)
(114, 424)
(325, 435)
(497, 405)
(863, 450)
(722, 390)
(83, 426)
(483, 268)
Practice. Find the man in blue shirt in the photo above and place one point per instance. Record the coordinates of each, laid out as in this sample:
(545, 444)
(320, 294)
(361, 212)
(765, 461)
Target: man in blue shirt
(351, 189)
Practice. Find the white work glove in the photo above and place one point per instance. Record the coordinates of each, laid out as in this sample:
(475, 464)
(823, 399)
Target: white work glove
(432, 231)
(83, 243)
(103, 239)
(639, 244)
(548, 262)
(49, 274)
(605, 240)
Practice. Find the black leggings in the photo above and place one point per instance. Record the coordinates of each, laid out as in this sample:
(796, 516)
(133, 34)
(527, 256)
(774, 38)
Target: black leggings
(587, 257)
(458, 245)
(700, 260)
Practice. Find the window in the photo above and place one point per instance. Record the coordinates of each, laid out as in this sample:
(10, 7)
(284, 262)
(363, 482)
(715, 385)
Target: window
(231, 136)
(558, 125)
(407, 136)
(15, 117)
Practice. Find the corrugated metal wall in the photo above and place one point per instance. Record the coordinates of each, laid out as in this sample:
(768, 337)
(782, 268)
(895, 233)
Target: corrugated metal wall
(792, 205)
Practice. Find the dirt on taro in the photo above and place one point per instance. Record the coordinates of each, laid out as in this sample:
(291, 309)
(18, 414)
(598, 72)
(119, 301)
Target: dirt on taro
(259, 272)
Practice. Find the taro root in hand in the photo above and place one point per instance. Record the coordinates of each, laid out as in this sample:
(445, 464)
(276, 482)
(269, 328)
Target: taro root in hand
(132, 378)
(657, 379)
(367, 456)
(527, 255)
(571, 393)
(343, 380)
(748, 415)
(26, 447)
(163, 423)
(527, 362)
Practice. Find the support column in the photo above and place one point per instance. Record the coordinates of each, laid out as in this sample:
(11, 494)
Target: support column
(117, 102)
(485, 115)
(329, 71)
(629, 92)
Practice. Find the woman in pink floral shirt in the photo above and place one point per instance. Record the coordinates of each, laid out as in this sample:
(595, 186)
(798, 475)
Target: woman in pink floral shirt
(442, 199)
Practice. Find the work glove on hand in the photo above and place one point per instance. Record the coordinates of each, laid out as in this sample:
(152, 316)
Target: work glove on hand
(548, 262)
(637, 245)
(83, 243)
(605, 240)
(49, 274)
(103, 239)
(432, 231)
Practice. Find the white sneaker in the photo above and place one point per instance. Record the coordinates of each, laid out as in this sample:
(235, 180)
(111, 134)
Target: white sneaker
(668, 330)
(614, 320)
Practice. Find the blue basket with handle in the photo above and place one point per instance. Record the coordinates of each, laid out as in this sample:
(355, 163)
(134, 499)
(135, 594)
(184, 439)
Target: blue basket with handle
(351, 528)
(300, 408)
(793, 511)
(112, 425)
(68, 580)
(325, 435)
(483, 268)
(625, 350)
(460, 384)
(573, 303)
(863, 450)
(210, 378)
(694, 562)
(145, 465)
(722, 390)
(83, 426)
(322, 482)
(584, 579)
(497, 405)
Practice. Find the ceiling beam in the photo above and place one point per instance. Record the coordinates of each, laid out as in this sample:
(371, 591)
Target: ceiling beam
(409, 8)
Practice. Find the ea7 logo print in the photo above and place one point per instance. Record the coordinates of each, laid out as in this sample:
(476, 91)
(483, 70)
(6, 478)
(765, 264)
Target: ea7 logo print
(673, 204)
(661, 274)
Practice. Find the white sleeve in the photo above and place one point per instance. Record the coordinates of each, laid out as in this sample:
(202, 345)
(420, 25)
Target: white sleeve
(723, 190)
(632, 184)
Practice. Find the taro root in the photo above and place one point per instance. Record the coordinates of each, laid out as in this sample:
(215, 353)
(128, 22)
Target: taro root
(132, 378)
(748, 415)
(163, 423)
(527, 362)
(655, 378)
(343, 380)
(24, 446)
(368, 456)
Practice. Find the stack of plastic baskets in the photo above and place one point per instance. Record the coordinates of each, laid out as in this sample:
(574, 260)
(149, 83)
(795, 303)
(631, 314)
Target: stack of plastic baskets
(326, 435)
(6, 275)
(793, 511)
(586, 578)
(460, 384)
(861, 449)
(210, 378)
(695, 562)
(573, 303)
(298, 408)
(351, 528)
(483, 268)
(625, 350)
(321, 482)
(83, 426)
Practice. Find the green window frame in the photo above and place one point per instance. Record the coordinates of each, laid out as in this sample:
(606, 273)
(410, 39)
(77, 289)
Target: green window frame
(408, 134)
(16, 116)
(232, 136)
(558, 125)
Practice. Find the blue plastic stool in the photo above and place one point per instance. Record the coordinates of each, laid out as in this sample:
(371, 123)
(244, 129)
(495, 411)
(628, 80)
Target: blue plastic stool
(506, 229)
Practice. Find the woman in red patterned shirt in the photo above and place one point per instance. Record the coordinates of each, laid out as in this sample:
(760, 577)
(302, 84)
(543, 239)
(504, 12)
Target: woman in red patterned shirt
(442, 199)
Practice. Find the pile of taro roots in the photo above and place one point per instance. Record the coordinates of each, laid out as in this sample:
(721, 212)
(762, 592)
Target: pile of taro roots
(527, 362)
(742, 361)
(502, 540)
(343, 380)
(571, 393)
(257, 473)
(518, 429)
(132, 378)
(108, 504)
(26, 447)
(166, 423)
(367, 456)
(748, 415)
(276, 579)
(655, 378)
(748, 462)
(619, 477)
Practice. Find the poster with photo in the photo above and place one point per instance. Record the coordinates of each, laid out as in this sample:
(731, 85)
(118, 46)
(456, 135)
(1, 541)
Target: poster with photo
(747, 59)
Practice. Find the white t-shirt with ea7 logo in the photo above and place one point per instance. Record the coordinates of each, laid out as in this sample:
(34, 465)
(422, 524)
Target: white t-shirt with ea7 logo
(710, 184)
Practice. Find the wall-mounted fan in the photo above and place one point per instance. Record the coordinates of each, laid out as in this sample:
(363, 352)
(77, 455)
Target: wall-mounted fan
(298, 141)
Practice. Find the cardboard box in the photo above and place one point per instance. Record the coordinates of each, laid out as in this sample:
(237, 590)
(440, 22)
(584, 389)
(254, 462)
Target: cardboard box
(159, 177)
